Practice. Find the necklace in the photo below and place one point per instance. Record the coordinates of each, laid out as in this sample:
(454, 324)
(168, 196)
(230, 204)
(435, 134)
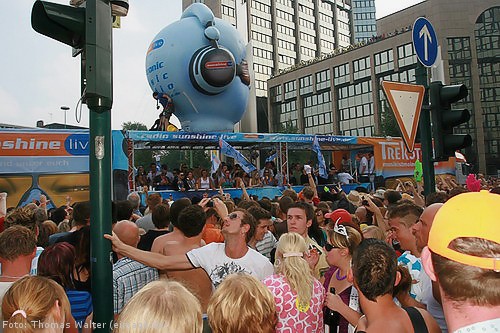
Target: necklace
(340, 278)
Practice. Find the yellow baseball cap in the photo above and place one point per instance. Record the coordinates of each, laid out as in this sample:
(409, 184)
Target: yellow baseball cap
(473, 214)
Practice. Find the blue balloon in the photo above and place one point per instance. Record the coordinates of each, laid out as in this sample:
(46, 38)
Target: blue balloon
(199, 61)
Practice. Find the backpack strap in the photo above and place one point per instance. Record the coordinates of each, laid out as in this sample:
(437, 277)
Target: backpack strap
(417, 321)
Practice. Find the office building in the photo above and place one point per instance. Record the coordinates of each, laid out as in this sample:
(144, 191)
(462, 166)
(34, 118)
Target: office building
(341, 93)
(363, 20)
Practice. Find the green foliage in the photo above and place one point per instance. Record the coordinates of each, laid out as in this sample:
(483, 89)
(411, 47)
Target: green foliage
(288, 128)
(388, 124)
(134, 126)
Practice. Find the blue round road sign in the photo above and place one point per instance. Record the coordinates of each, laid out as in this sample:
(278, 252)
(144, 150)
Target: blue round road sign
(425, 41)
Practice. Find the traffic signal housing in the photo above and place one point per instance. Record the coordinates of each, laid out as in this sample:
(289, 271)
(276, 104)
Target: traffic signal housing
(445, 118)
(60, 22)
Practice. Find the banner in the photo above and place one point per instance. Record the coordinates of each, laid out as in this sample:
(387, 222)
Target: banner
(215, 161)
(321, 160)
(272, 157)
(228, 150)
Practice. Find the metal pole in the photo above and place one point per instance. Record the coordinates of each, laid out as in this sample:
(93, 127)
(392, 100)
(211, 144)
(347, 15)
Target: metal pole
(65, 109)
(425, 133)
(99, 96)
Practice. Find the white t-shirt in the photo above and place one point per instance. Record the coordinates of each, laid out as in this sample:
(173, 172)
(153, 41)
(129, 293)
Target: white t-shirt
(213, 259)
(344, 178)
(363, 166)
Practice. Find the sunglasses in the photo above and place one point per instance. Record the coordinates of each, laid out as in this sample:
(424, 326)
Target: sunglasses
(329, 247)
(233, 216)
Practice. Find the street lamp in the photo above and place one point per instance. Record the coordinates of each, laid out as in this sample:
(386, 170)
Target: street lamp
(65, 109)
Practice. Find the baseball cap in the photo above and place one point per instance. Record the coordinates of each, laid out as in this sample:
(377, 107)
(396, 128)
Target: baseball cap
(470, 214)
(379, 194)
(339, 213)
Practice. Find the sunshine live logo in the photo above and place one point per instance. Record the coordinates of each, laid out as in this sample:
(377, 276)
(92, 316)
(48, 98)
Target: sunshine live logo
(31, 144)
(75, 144)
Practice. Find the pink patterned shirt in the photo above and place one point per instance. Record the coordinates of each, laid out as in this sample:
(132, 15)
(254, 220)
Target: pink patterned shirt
(291, 317)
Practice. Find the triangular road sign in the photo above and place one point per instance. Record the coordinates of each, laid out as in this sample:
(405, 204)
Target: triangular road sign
(406, 103)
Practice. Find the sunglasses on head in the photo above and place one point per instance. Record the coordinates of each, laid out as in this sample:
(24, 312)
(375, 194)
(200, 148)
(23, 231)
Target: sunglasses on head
(329, 247)
(340, 229)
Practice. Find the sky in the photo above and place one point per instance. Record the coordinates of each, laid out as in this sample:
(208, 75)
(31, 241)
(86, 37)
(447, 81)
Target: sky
(38, 75)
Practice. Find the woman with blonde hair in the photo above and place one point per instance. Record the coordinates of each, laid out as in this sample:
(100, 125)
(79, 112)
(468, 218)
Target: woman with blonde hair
(299, 296)
(161, 306)
(242, 304)
(342, 241)
(36, 304)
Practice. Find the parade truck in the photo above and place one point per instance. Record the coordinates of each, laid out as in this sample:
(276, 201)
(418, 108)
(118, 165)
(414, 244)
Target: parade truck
(56, 163)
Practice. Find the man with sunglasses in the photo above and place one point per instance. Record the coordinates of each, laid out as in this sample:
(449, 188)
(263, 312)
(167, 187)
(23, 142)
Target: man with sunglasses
(217, 259)
(299, 218)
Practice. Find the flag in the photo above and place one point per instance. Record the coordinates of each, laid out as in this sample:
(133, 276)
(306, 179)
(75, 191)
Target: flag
(321, 159)
(228, 150)
(215, 161)
(418, 171)
(272, 157)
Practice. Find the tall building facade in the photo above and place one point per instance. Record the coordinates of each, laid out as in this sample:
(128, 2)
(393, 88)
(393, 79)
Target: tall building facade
(363, 20)
(341, 93)
(284, 33)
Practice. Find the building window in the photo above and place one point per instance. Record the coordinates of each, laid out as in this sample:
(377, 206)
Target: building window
(459, 48)
(406, 55)
(275, 93)
(318, 113)
(305, 85)
(290, 89)
(384, 61)
(323, 80)
(361, 68)
(341, 74)
(355, 106)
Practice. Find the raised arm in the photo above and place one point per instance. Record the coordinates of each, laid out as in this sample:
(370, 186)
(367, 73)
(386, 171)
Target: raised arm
(156, 260)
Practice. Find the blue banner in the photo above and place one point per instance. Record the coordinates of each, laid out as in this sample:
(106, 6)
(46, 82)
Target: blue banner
(228, 150)
(321, 159)
(272, 157)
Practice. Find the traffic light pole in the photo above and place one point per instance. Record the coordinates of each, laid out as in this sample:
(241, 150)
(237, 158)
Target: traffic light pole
(89, 29)
(426, 133)
(99, 98)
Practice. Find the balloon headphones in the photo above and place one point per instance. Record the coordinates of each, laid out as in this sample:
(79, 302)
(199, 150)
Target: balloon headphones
(212, 68)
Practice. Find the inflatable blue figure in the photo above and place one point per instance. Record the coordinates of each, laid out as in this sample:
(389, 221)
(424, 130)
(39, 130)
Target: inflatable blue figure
(199, 61)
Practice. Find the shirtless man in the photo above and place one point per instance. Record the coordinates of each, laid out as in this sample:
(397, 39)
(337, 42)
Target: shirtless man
(185, 237)
(374, 271)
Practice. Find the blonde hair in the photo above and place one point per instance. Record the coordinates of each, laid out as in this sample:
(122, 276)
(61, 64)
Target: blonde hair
(242, 304)
(161, 306)
(34, 297)
(342, 241)
(295, 269)
(372, 231)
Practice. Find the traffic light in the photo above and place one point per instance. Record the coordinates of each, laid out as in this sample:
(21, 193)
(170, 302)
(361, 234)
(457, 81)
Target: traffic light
(62, 23)
(444, 119)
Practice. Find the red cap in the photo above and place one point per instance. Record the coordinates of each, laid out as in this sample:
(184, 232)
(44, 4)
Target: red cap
(339, 213)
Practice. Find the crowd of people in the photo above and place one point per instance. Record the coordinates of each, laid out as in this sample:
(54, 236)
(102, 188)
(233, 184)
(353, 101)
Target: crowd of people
(184, 178)
(315, 261)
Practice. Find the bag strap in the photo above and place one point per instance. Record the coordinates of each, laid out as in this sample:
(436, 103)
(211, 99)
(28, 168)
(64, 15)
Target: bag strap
(417, 321)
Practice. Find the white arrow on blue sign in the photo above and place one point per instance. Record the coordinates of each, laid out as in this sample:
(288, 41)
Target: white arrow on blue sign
(425, 41)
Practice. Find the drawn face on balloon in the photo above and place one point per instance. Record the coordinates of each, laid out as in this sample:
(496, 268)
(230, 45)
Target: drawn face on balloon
(199, 61)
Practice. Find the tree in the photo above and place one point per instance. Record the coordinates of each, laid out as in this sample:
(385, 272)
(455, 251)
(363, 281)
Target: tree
(388, 124)
(141, 157)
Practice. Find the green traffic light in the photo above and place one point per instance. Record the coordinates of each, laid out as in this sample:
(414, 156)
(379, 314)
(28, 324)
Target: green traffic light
(63, 23)
(445, 118)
